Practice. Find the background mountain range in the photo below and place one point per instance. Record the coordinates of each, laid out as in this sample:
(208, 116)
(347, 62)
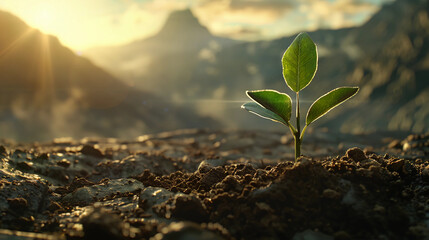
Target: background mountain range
(48, 91)
(184, 77)
(387, 57)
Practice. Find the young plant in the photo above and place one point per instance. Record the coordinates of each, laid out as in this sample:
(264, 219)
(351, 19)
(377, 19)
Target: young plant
(299, 67)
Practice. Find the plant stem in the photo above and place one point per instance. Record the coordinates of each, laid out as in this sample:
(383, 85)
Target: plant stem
(298, 130)
(297, 147)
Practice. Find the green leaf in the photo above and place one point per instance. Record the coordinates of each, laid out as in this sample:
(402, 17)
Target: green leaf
(329, 101)
(262, 112)
(277, 102)
(300, 62)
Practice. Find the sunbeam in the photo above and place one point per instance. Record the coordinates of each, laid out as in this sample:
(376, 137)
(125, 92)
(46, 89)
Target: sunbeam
(16, 42)
(45, 77)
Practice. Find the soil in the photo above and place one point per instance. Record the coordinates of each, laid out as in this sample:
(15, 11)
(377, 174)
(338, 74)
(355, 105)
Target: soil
(205, 184)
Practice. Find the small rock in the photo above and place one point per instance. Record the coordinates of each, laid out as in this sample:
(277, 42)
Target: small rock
(54, 206)
(406, 147)
(42, 158)
(62, 141)
(3, 151)
(64, 163)
(356, 154)
(396, 165)
(379, 209)
(395, 144)
(91, 151)
(331, 194)
(264, 206)
(25, 166)
(17, 203)
(311, 235)
(185, 231)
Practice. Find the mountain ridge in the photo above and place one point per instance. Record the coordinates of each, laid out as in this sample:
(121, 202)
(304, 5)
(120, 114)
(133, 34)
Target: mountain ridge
(49, 91)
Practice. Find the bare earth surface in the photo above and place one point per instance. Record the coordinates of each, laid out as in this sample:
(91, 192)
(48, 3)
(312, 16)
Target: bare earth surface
(204, 184)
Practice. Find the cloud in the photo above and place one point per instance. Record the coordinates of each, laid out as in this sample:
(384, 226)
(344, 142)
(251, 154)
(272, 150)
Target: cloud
(114, 22)
(249, 33)
(274, 18)
(164, 6)
(336, 14)
(243, 11)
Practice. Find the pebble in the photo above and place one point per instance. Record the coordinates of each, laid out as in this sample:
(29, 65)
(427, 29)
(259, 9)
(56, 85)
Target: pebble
(91, 151)
(331, 194)
(25, 166)
(379, 209)
(311, 235)
(17, 203)
(395, 165)
(356, 154)
(185, 231)
(64, 163)
(395, 144)
(3, 151)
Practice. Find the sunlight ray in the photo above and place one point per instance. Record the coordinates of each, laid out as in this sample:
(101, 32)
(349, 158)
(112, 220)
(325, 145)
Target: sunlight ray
(45, 78)
(15, 42)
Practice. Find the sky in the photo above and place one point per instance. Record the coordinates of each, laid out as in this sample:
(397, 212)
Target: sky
(83, 24)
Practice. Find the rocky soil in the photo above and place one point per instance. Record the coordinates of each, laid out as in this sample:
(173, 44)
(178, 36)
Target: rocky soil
(205, 184)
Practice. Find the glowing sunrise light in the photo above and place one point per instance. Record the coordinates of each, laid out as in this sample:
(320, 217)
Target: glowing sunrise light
(82, 24)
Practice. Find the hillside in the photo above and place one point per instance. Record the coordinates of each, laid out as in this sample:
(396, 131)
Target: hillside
(49, 91)
(394, 73)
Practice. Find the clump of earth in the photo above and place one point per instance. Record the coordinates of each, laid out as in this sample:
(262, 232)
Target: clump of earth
(205, 184)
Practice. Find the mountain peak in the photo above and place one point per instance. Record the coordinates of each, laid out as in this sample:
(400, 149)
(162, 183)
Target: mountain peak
(182, 15)
(183, 23)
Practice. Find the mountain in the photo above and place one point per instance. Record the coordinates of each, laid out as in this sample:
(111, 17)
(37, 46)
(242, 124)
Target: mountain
(49, 91)
(394, 73)
(166, 61)
(387, 57)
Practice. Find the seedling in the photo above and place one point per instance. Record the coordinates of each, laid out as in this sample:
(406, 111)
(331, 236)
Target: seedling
(299, 67)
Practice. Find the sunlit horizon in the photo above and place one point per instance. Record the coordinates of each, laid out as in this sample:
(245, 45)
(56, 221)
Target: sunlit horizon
(110, 23)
